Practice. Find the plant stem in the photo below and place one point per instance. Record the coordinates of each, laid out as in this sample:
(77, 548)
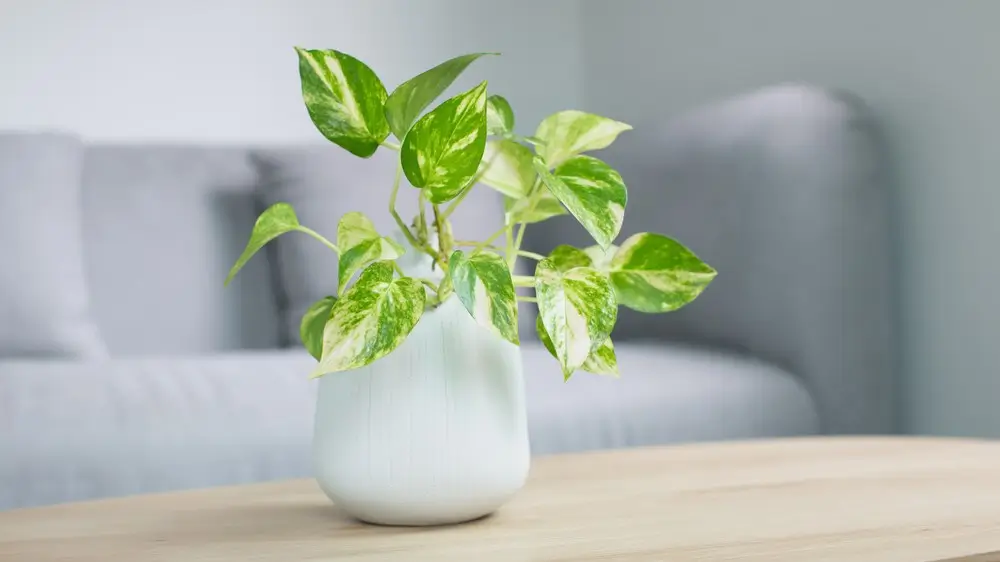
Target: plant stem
(473, 243)
(479, 247)
(421, 200)
(395, 215)
(429, 284)
(398, 269)
(524, 280)
(443, 232)
(319, 237)
(390, 145)
(522, 298)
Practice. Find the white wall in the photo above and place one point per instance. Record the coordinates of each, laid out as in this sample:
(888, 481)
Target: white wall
(930, 70)
(224, 70)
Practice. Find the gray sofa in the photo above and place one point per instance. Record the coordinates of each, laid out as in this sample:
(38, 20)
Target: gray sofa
(126, 367)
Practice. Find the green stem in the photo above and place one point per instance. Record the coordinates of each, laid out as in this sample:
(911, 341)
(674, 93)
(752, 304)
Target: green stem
(524, 280)
(444, 236)
(390, 145)
(479, 247)
(398, 269)
(395, 215)
(421, 201)
(522, 298)
(429, 284)
(319, 237)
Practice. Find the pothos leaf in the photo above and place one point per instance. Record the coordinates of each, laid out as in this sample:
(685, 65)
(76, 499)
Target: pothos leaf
(565, 258)
(507, 168)
(361, 245)
(484, 285)
(653, 273)
(537, 208)
(572, 132)
(313, 322)
(601, 362)
(344, 99)
(499, 116)
(413, 96)
(443, 149)
(372, 318)
(273, 222)
(592, 191)
(577, 309)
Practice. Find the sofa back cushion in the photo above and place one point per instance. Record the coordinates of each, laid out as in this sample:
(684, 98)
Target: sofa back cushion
(162, 226)
(44, 301)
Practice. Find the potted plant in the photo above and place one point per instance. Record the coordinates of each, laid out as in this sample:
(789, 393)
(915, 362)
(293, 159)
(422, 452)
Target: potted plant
(429, 427)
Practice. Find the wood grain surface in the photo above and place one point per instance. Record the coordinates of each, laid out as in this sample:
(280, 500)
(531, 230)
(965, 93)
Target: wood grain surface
(835, 499)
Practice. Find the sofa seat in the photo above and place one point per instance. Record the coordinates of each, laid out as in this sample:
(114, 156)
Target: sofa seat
(73, 430)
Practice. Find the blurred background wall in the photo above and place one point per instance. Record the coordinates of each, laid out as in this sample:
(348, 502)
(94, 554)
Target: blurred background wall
(223, 71)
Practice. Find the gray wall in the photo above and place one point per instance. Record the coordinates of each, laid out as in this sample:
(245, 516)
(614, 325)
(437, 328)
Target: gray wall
(224, 70)
(931, 71)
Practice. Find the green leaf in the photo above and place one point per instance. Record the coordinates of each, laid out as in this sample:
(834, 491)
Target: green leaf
(499, 116)
(313, 322)
(372, 318)
(360, 245)
(600, 257)
(537, 208)
(653, 273)
(571, 132)
(601, 362)
(565, 258)
(484, 285)
(507, 168)
(273, 222)
(592, 191)
(344, 99)
(413, 96)
(442, 151)
(577, 309)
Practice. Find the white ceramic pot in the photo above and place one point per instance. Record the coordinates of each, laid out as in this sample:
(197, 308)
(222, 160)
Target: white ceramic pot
(433, 433)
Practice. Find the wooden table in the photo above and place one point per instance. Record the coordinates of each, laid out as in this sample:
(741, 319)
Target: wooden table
(837, 499)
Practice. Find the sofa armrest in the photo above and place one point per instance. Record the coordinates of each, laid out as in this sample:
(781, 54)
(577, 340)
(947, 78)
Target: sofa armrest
(73, 430)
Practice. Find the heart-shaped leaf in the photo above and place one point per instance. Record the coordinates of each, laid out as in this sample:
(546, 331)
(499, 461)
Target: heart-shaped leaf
(653, 273)
(601, 257)
(273, 222)
(360, 245)
(344, 99)
(313, 322)
(577, 309)
(601, 362)
(413, 96)
(507, 167)
(537, 208)
(443, 149)
(499, 116)
(565, 258)
(592, 191)
(484, 285)
(572, 132)
(372, 318)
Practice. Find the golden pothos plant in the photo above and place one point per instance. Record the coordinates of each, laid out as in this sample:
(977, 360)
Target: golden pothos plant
(444, 153)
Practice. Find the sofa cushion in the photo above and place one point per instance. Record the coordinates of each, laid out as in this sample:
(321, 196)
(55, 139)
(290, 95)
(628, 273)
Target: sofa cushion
(162, 226)
(323, 183)
(44, 299)
(666, 394)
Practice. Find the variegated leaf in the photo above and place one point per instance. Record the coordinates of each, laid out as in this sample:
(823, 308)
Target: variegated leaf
(578, 311)
(313, 322)
(344, 99)
(372, 318)
(565, 258)
(592, 191)
(507, 168)
(413, 96)
(601, 362)
(572, 132)
(273, 222)
(600, 257)
(443, 149)
(654, 273)
(499, 116)
(484, 285)
(360, 245)
(537, 208)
